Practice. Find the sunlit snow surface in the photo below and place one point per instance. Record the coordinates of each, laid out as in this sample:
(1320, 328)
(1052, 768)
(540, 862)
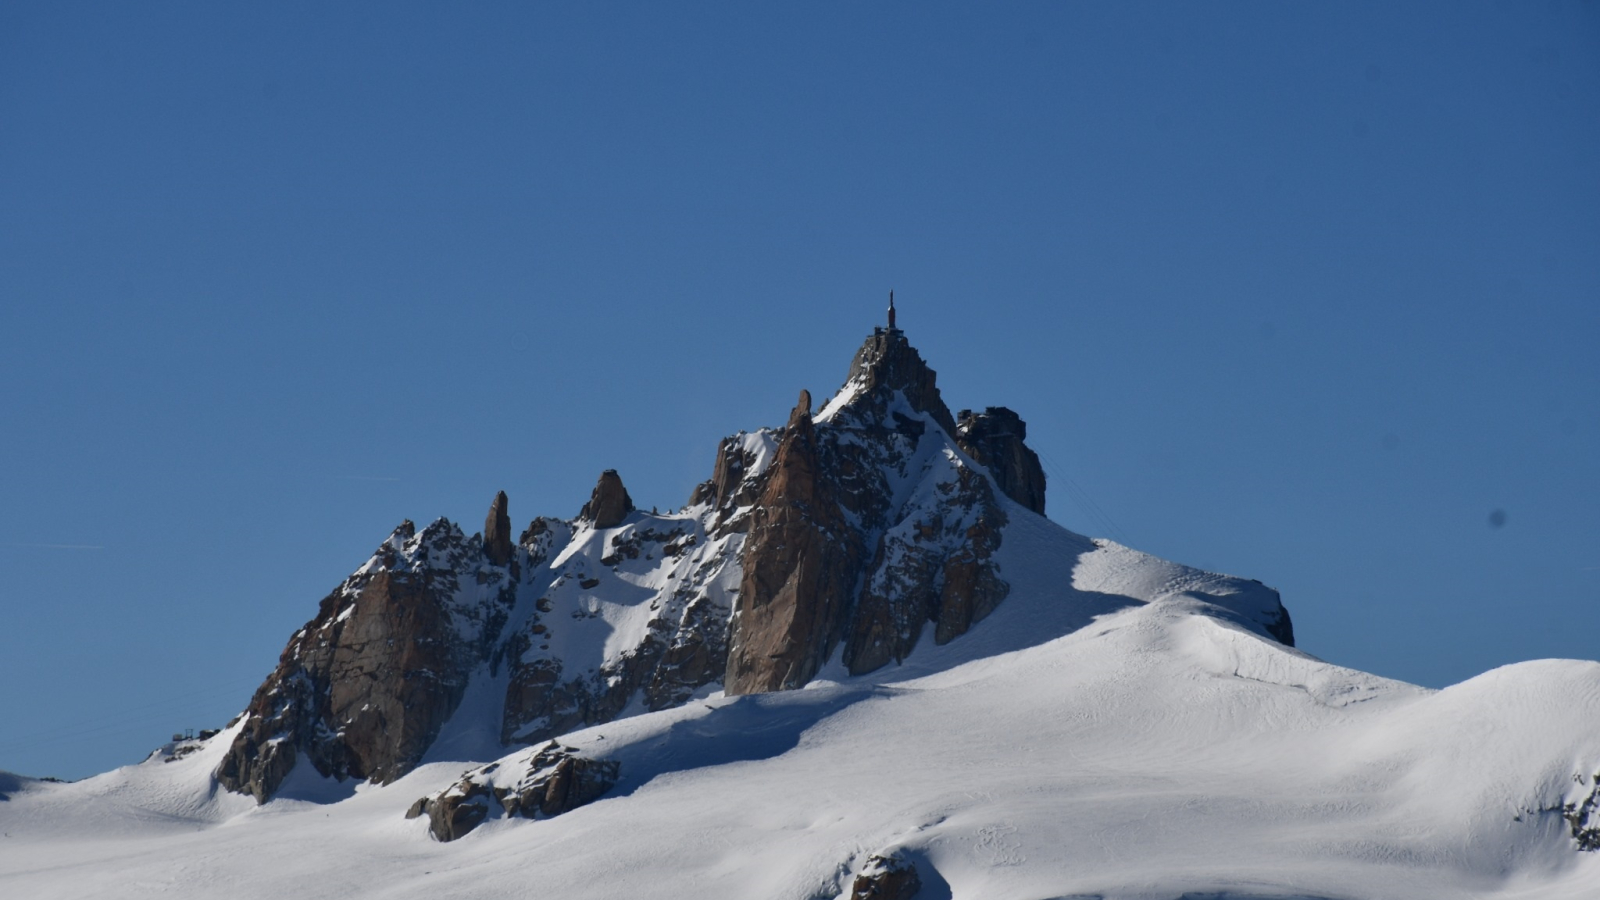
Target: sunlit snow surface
(1112, 730)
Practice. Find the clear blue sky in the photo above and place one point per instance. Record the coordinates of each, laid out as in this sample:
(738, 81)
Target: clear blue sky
(1298, 292)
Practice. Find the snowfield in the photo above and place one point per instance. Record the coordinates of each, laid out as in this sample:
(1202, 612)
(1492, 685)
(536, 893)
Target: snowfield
(1118, 728)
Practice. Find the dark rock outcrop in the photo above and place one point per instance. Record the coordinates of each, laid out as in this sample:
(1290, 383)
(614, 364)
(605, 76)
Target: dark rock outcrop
(610, 503)
(730, 485)
(497, 532)
(801, 562)
(994, 439)
(364, 688)
(558, 780)
(887, 363)
(837, 547)
(886, 878)
(1583, 817)
(555, 780)
(1281, 628)
(936, 567)
(457, 811)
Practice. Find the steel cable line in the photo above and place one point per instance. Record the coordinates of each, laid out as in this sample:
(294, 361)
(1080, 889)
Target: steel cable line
(1080, 496)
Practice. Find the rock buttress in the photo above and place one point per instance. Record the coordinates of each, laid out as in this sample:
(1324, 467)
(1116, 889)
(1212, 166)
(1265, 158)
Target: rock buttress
(801, 563)
(994, 439)
(364, 688)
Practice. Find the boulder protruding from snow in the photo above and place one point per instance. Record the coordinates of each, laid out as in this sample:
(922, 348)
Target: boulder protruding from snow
(497, 532)
(886, 878)
(459, 809)
(554, 780)
(994, 438)
(610, 503)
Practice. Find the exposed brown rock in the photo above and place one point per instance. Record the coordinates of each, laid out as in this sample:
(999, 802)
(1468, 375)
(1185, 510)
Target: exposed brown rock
(801, 561)
(387, 683)
(887, 362)
(610, 503)
(458, 810)
(537, 528)
(886, 878)
(557, 780)
(901, 594)
(994, 439)
(364, 688)
(728, 484)
(497, 532)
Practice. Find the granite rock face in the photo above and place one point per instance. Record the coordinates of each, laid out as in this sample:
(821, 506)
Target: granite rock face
(610, 503)
(364, 688)
(497, 532)
(886, 365)
(801, 562)
(458, 810)
(1583, 816)
(994, 439)
(868, 527)
(729, 486)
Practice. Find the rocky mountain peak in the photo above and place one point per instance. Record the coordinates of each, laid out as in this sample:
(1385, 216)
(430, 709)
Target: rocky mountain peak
(887, 363)
(869, 525)
(852, 534)
(497, 532)
(610, 503)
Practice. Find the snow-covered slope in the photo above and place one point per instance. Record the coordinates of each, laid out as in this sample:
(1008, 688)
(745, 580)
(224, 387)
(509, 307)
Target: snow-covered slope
(1110, 730)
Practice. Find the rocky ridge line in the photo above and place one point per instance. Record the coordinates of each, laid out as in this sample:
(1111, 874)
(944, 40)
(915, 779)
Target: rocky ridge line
(853, 531)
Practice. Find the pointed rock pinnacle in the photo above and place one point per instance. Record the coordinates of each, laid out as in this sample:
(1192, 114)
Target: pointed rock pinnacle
(497, 532)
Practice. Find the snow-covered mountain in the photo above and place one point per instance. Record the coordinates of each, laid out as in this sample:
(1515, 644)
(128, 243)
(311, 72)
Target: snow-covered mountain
(859, 663)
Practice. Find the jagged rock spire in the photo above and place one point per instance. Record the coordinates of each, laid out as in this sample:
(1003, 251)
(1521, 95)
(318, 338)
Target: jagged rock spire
(497, 532)
(610, 503)
(801, 561)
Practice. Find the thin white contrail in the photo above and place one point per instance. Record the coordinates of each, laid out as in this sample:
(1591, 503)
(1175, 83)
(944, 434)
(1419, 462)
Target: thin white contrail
(58, 546)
